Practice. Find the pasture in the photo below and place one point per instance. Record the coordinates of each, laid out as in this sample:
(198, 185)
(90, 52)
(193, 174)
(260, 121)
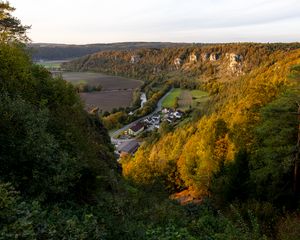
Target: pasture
(55, 64)
(169, 101)
(186, 99)
(116, 91)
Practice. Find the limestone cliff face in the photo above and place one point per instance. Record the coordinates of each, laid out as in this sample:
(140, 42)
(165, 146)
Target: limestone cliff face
(221, 62)
(214, 57)
(235, 63)
(205, 56)
(135, 59)
(177, 62)
(193, 58)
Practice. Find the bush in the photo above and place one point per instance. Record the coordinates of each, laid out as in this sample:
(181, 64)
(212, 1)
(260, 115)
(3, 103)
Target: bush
(289, 228)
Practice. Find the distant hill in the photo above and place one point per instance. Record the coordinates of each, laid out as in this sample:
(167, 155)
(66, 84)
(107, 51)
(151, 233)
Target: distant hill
(49, 51)
(201, 62)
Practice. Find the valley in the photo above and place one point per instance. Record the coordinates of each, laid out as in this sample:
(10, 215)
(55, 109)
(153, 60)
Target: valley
(150, 140)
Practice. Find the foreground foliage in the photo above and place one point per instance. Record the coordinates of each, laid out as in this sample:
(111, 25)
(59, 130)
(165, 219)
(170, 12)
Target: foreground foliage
(59, 178)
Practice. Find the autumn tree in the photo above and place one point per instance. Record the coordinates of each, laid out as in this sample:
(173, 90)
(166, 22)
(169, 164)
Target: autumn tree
(11, 28)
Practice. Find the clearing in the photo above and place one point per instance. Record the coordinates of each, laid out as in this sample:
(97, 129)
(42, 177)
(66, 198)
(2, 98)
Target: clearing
(170, 100)
(186, 98)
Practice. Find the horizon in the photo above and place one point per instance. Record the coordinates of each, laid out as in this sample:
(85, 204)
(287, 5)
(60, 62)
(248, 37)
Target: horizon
(204, 43)
(205, 21)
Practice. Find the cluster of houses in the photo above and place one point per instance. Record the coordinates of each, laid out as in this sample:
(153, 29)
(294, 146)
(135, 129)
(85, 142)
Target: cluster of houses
(168, 115)
(149, 124)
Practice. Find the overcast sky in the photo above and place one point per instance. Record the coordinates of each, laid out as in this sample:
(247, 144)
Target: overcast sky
(104, 21)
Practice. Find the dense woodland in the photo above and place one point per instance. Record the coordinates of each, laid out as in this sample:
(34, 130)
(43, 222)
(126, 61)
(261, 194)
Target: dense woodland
(48, 51)
(238, 160)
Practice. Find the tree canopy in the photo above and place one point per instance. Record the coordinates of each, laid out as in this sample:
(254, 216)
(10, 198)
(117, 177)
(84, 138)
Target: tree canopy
(11, 28)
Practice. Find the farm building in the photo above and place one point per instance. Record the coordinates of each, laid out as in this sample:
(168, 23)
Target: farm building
(128, 147)
(136, 129)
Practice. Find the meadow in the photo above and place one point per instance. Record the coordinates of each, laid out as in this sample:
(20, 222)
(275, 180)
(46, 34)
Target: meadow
(54, 64)
(185, 99)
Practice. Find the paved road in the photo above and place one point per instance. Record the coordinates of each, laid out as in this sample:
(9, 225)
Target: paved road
(119, 131)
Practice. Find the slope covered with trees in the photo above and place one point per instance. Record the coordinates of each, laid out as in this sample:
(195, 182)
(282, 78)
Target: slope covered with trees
(189, 156)
(196, 63)
(243, 149)
(48, 51)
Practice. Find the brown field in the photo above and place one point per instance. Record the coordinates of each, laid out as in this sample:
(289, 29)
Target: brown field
(116, 92)
(107, 82)
(185, 100)
(107, 100)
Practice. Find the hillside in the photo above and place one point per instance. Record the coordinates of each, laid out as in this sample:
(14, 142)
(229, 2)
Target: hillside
(201, 63)
(49, 51)
(188, 157)
(243, 149)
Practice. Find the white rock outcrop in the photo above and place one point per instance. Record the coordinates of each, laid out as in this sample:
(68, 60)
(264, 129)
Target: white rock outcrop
(205, 56)
(193, 58)
(177, 62)
(214, 57)
(135, 59)
(235, 63)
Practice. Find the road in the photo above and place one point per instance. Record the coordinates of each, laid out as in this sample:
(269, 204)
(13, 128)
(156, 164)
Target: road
(119, 131)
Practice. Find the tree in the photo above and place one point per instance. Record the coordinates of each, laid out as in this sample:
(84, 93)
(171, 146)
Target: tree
(272, 162)
(176, 104)
(11, 28)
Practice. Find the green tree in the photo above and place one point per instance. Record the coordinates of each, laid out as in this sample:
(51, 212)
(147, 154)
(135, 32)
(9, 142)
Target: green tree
(11, 28)
(272, 160)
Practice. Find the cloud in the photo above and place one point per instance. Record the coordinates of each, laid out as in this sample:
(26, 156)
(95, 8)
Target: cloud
(162, 20)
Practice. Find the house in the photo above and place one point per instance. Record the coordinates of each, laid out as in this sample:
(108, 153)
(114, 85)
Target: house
(178, 114)
(136, 129)
(128, 147)
(165, 111)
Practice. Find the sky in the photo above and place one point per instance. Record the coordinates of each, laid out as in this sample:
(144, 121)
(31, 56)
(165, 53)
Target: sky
(205, 21)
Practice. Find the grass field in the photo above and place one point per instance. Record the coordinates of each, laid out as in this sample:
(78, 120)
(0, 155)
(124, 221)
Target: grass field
(199, 96)
(171, 98)
(51, 64)
(186, 98)
(116, 91)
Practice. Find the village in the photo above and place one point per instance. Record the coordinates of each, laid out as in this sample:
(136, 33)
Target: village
(129, 139)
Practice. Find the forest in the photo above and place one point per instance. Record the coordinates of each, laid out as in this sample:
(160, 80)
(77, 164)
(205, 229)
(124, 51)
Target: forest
(48, 51)
(231, 172)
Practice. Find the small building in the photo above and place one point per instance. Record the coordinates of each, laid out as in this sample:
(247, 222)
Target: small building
(178, 114)
(129, 147)
(136, 129)
(165, 111)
